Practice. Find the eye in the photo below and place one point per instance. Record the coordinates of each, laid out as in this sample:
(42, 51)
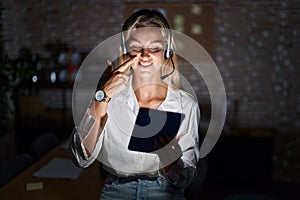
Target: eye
(155, 49)
(135, 48)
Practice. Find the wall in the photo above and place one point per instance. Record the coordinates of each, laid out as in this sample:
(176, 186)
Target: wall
(256, 50)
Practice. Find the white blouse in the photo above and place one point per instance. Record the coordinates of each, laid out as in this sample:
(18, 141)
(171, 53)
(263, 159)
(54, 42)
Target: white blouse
(112, 146)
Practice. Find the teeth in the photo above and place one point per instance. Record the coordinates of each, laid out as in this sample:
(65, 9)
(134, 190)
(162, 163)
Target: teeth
(145, 64)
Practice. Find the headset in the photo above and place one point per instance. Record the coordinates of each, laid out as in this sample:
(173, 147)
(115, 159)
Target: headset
(149, 13)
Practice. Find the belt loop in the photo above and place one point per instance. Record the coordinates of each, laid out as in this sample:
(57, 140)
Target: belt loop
(160, 182)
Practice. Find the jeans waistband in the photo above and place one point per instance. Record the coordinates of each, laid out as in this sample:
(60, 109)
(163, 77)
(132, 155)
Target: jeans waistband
(121, 179)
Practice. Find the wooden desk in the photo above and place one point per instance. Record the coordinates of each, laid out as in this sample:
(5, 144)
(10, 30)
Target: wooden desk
(87, 186)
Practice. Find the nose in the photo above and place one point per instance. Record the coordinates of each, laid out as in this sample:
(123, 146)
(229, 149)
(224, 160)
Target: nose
(145, 52)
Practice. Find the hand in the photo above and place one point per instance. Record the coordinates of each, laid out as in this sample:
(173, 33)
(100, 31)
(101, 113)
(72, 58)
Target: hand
(163, 141)
(114, 81)
(170, 154)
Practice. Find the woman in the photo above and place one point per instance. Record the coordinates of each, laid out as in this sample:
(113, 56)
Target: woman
(146, 78)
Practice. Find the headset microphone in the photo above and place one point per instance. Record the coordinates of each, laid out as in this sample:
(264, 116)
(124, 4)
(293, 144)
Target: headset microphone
(166, 75)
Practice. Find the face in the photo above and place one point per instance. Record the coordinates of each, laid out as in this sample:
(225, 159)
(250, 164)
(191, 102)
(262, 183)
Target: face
(147, 43)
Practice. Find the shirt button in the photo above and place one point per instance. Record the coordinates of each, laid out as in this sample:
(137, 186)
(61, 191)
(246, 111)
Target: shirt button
(140, 164)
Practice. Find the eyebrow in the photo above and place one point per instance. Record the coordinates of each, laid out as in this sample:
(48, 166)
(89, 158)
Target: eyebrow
(136, 40)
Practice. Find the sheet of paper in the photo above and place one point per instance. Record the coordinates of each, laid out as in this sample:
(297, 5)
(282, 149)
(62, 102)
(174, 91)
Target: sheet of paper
(34, 186)
(59, 168)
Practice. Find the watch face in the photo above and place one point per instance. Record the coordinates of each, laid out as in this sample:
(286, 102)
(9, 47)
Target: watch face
(100, 95)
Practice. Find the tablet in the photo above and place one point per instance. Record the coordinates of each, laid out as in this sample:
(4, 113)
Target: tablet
(152, 124)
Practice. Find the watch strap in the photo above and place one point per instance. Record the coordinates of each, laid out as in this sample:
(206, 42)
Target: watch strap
(106, 99)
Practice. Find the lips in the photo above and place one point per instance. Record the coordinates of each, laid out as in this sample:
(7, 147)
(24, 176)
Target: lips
(145, 64)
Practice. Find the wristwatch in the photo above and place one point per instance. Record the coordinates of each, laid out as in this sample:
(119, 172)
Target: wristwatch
(100, 96)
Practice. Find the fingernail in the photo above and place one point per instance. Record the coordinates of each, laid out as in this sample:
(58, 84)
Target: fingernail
(109, 62)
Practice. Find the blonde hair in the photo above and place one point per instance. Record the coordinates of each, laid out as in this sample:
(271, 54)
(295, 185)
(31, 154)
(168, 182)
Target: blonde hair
(153, 18)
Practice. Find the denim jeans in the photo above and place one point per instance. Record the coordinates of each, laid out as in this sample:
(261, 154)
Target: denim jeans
(140, 189)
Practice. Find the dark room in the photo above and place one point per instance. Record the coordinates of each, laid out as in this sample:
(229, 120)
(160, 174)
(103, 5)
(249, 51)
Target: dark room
(64, 65)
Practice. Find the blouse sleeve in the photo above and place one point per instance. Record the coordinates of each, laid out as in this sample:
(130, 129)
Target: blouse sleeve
(77, 150)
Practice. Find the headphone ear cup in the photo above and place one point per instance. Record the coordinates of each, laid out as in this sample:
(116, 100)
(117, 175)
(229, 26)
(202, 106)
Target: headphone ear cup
(124, 47)
(168, 53)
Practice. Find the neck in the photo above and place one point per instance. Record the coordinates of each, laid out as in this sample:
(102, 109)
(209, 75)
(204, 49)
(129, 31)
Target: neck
(148, 82)
(148, 89)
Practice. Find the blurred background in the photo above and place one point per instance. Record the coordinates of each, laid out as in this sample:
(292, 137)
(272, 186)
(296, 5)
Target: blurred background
(254, 44)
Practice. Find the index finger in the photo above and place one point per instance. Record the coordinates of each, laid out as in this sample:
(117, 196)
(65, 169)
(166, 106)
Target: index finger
(126, 64)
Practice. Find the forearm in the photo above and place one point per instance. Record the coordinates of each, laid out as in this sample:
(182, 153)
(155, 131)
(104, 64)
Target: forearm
(85, 136)
(98, 111)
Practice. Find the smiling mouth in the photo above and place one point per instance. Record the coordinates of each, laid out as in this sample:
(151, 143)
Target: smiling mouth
(145, 64)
